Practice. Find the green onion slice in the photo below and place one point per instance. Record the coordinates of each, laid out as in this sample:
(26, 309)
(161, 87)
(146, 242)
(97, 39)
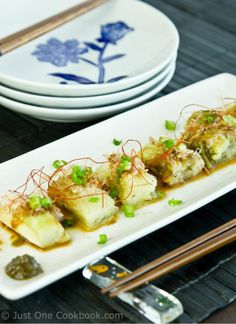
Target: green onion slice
(34, 202)
(102, 239)
(113, 192)
(230, 120)
(116, 142)
(94, 199)
(170, 125)
(125, 164)
(160, 194)
(46, 202)
(174, 202)
(59, 163)
(169, 143)
(79, 175)
(129, 210)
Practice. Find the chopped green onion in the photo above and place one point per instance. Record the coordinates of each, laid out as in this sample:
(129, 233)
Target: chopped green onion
(102, 239)
(125, 164)
(69, 221)
(79, 175)
(59, 163)
(174, 202)
(46, 202)
(160, 194)
(230, 120)
(116, 142)
(209, 118)
(94, 199)
(113, 192)
(169, 143)
(170, 125)
(34, 202)
(129, 210)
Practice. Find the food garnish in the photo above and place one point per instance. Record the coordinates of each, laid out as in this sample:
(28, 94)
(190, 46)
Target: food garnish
(129, 210)
(169, 143)
(116, 142)
(102, 239)
(94, 199)
(160, 194)
(170, 125)
(59, 163)
(175, 202)
(36, 202)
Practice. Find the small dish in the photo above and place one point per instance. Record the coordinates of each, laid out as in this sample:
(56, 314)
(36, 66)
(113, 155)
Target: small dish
(118, 51)
(81, 115)
(85, 102)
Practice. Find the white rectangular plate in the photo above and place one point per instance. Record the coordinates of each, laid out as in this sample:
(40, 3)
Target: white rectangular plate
(140, 123)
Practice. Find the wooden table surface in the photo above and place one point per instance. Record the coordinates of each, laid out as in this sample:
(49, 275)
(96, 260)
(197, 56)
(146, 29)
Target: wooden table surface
(207, 47)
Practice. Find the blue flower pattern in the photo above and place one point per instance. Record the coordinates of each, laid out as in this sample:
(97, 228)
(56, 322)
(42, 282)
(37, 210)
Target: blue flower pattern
(61, 53)
(111, 33)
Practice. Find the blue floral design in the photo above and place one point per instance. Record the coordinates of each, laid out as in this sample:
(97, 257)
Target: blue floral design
(62, 53)
(111, 33)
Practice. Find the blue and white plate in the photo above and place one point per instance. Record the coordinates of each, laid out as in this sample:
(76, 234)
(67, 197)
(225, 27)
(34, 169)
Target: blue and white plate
(81, 115)
(85, 102)
(117, 46)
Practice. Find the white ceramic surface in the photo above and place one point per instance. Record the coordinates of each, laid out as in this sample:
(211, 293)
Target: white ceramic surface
(136, 42)
(76, 115)
(95, 141)
(84, 102)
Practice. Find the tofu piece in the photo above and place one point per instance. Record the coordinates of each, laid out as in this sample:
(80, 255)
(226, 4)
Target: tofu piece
(143, 188)
(128, 177)
(40, 227)
(91, 205)
(213, 133)
(171, 166)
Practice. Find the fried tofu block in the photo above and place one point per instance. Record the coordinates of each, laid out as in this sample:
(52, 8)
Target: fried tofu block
(40, 227)
(213, 133)
(91, 205)
(127, 180)
(171, 164)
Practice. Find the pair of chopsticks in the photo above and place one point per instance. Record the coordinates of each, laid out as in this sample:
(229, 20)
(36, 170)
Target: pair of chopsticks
(24, 36)
(175, 259)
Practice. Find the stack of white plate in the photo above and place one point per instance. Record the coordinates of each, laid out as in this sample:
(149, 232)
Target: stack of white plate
(111, 59)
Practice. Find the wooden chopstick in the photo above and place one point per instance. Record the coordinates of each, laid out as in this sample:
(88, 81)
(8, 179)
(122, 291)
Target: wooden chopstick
(24, 36)
(172, 256)
(191, 255)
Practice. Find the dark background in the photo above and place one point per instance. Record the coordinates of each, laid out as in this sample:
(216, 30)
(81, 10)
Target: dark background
(207, 47)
